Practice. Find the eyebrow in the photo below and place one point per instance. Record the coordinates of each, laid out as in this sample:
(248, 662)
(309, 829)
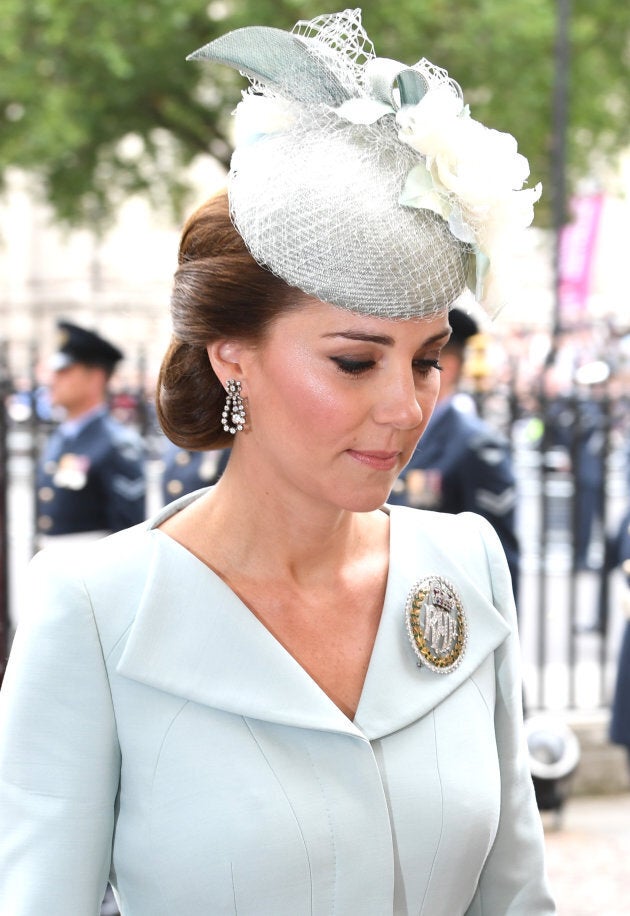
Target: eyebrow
(385, 340)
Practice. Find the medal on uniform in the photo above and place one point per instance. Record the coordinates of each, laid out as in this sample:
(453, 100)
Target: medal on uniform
(72, 471)
(436, 624)
(423, 488)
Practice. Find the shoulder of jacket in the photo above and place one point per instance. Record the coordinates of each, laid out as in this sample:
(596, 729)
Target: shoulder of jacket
(449, 531)
(113, 554)
(121, 553)
(106, 577)
(468, 538)
(446, 527)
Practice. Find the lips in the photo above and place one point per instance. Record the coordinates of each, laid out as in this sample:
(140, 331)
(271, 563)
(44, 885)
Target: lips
(379, 460)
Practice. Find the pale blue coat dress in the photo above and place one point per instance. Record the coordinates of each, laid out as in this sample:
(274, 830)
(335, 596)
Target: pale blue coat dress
(154, 731)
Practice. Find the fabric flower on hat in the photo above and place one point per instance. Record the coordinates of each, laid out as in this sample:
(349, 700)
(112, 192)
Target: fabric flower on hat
(257, 116)
(471, 175)
(425, 199)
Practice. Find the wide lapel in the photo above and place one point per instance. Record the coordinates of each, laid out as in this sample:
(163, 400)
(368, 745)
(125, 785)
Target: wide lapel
(209, 648)
(397, 691)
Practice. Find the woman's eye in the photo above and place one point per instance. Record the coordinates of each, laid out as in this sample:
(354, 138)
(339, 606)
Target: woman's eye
(352, 366)
(349, 366)
(424, 366)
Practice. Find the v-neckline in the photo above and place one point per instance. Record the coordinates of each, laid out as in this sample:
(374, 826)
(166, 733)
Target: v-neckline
(229, 661)
(386, 509)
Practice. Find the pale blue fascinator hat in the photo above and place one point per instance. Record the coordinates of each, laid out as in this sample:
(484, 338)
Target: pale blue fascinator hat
(365, 182)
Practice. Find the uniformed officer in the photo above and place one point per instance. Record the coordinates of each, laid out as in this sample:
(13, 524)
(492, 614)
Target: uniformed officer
(91, 480)
(461, 462)
(620, 719)
(186, 471)
(577, 425)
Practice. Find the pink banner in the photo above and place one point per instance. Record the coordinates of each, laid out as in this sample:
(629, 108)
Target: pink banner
(577, 246)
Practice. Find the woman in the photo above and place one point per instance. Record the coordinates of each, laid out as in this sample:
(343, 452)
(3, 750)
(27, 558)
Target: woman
(280, 696)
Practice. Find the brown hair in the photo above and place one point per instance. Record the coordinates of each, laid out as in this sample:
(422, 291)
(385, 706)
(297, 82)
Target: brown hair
(219, 291)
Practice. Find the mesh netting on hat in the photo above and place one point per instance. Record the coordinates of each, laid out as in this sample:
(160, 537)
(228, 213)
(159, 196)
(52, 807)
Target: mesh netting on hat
(315, 196)
(318, 205)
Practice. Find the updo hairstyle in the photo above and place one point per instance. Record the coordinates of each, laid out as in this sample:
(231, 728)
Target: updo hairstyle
(219, 291)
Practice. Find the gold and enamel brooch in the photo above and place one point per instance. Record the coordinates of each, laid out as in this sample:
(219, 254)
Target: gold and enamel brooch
(436, 624)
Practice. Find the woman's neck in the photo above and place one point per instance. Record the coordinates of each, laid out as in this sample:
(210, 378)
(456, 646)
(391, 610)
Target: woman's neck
(245, 527)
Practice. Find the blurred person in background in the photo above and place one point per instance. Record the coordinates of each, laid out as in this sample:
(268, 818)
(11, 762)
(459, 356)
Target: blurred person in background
(185, 471)
(620, 720)
(463, 464)
(576, 426)
(91, 479)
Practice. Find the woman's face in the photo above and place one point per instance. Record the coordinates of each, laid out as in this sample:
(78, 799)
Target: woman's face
(336, 402)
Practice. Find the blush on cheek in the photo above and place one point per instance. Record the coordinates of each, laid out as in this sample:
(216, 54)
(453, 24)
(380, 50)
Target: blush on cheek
(317, 406)
(307, 391)
(292, 401)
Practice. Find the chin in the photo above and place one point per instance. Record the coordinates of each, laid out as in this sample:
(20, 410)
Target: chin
(365, 501)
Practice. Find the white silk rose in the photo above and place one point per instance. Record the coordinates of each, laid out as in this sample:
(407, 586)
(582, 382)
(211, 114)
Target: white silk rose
(477, 173)
(472, 176)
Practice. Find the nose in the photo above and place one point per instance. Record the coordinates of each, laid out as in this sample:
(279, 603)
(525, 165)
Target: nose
(398, 403)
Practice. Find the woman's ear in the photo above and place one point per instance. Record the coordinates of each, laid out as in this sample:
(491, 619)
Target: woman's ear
(225, 358)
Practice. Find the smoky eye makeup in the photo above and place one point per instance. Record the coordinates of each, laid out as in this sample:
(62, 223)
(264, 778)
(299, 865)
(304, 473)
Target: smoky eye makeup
(355, 365)
(352, 366)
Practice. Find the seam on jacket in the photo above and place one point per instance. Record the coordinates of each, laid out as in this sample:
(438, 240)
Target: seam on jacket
(439, 841)
(114, 718)
(167, 730)
(119, 640)
(330, 828)
(484, 544)
(480, 692)
(288, 801)
(86, 592)
(233, 888)
(151, 809)
(491, 581)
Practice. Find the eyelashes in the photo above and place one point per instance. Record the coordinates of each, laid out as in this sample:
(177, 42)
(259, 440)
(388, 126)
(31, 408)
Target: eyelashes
(359, 366)
(425, 365)
(352, 366)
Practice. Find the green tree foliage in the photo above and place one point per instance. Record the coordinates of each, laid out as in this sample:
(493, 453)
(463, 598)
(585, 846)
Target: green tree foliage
(97, 100)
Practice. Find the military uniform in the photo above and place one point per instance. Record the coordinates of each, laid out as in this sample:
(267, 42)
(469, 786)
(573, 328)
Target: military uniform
(620, 721)
(462, 464)
(578, 426)
(186, 471)
(91, 478)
